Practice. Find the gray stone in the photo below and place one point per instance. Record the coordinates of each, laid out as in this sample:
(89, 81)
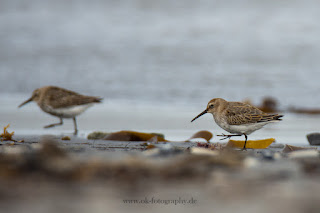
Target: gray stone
(314, 139)
(267, 154)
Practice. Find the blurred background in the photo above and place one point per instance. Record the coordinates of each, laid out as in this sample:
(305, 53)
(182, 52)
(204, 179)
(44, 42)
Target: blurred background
(158, 63)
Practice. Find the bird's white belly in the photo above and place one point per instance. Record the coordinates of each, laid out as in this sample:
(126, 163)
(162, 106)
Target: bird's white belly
(67, 112)
(240, 129)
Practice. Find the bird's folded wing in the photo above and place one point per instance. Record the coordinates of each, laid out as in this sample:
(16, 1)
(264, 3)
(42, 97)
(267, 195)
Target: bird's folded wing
(238, 119)
(240, 113)
(69, 98)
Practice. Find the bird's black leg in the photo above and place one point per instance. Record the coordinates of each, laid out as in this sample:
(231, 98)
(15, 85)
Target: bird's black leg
(227, 136)
(245, 142)
(53, 125)
(75, 126)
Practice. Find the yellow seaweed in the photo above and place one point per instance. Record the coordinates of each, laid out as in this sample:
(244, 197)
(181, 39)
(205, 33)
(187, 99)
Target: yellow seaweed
(251, 144)
(133, 136)
(6, 136)
(66, 138)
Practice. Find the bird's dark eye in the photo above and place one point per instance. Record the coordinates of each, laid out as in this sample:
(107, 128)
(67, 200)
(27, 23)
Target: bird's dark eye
(211, 106)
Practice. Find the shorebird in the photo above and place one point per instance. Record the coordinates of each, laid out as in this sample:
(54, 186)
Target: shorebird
(238, 118)
(61, 103)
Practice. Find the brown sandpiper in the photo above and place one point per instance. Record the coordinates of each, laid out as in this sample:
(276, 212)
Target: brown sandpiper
(238, 118)
(61, 103)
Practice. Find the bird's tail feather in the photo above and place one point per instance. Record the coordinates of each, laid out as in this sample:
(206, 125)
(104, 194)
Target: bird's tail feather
(271, 118)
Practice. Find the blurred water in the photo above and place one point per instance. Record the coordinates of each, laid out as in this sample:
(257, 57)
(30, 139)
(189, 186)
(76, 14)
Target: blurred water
(164, 52)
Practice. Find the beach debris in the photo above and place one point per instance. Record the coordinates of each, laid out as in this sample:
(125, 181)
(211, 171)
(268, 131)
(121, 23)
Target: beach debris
(289, 148)
(50, 149)
(212, 146)
(203, 151)
(277, 146)
(277, 156)
(6, 136)
(201, 134)
(267, 154)
(163, 150)
(133, 136)
(304, 111)
(304, 154)
(268, 105)
(251, 144)
(251, 162)
(66, 138)
(154, 139)
(314, 139)
(150, 146)
(126, 136)
(97, 135)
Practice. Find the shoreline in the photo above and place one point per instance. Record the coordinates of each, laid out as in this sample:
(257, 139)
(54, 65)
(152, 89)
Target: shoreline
(102, 174)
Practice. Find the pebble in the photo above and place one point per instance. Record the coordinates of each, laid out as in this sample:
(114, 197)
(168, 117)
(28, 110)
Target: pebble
(267, 154)
(203, 151)
(251, 162)
(314, 138)
(303, 154)
(163, 151)
(289, 148)
(276, 146)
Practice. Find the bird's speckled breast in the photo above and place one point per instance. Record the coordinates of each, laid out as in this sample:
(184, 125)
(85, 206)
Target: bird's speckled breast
(222, 123)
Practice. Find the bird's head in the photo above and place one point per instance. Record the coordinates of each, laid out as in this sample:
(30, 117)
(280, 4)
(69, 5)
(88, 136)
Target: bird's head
(35, 97)
(211, 107)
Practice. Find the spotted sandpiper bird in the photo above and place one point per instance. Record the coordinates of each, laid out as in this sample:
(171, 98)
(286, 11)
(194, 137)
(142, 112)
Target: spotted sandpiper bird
(61, 103)
(238, 118)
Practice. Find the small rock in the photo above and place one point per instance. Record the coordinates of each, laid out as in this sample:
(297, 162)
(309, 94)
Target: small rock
(314, 139)
(152, 152)
(303, 154)
(277, 156)
(251, 162)
(203, 151)
(66, 138)
(290, 148)
(15, 149)
(267, 154)
(277, 146)
(50, 148)
(163, 151)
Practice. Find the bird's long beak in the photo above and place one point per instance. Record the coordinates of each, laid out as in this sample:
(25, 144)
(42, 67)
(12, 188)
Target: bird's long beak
(202, 113)
(27, 101)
